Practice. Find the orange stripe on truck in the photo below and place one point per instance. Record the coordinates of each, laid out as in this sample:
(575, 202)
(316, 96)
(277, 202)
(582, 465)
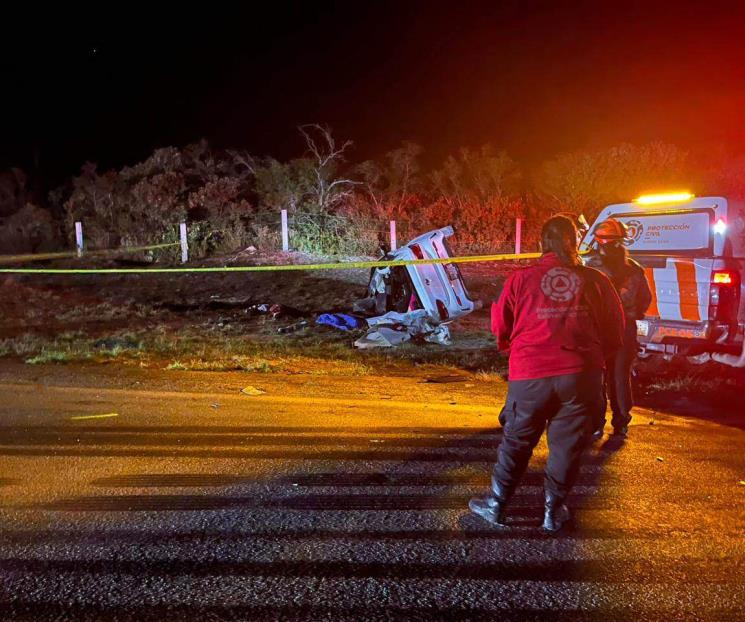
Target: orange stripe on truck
(653, 310)
(688, 291)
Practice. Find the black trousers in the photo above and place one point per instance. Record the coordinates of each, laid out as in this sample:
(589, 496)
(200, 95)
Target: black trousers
(618, 380)
(564, 406)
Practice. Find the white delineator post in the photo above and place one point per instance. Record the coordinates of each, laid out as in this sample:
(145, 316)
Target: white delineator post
(184, 243)
(285, 233)
(79, 238)
(518, 235)
(394, 245)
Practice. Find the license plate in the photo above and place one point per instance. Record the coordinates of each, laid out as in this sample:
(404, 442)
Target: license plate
(642, 328)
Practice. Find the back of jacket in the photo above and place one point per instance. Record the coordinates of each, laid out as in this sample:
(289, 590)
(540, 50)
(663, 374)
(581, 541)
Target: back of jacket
(555, 320)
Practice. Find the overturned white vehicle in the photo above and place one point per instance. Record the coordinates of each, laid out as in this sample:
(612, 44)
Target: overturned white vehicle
(415, 300)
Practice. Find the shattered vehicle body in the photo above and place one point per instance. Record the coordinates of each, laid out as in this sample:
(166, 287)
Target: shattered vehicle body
(416, 299)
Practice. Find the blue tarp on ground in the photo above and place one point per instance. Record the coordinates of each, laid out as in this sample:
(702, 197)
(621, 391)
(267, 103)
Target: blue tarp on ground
(342, 321)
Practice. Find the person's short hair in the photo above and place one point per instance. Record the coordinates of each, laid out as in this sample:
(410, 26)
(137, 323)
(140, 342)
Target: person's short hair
(559, 235)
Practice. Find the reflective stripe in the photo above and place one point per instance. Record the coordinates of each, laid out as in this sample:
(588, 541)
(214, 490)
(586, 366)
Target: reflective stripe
(703, 283)
(687, 291)
(668, 292)
(653, 308)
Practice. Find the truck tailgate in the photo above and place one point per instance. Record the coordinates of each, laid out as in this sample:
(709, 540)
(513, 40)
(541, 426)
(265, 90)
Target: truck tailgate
(680, 288)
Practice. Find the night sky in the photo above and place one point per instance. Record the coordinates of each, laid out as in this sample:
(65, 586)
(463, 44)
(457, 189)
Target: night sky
(536, 78)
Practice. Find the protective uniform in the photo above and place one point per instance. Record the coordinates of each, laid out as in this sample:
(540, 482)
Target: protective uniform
(559, 324)
(631, 284)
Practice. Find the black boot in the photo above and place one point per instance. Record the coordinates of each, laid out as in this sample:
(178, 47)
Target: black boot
(556, 513)
(621, 425)
(492, 507)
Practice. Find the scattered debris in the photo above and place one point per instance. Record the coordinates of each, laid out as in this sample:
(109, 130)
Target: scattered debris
(660, 459)
(258, 309)
(383, 337)
(394, 328)
(742, 482)
(215, 406)
(293, 327)
(252, 391)
(274, 311)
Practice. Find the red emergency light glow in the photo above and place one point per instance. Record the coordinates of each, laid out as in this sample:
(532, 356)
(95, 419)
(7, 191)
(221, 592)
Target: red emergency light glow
(720, 227)
(722, 277)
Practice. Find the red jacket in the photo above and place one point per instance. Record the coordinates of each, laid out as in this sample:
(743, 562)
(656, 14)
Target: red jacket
(555, 320)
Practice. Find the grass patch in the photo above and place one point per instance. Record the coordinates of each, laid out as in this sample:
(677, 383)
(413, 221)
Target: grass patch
(24, 345)
(236, 363)
(66, 347)
(687, 383)
(51, 356)
(247, 348)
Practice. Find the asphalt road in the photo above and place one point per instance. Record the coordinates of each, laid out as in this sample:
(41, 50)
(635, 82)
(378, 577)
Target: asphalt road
(126, 495)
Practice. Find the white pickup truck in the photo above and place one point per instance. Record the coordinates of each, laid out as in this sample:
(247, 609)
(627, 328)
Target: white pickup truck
(693, 253)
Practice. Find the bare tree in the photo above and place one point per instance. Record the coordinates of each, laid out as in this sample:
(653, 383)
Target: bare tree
(243, 160)
(326, 155)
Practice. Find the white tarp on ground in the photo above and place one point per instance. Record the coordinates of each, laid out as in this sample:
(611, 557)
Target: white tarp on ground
(393, 328)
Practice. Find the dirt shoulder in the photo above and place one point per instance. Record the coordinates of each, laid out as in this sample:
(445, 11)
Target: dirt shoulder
(209, 322)
(166, 324)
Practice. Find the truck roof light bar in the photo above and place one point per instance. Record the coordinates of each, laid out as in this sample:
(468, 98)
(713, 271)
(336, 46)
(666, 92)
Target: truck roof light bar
(669, 197)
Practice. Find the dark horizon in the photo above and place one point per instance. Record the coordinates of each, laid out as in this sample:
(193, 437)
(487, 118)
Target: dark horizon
(534, 78)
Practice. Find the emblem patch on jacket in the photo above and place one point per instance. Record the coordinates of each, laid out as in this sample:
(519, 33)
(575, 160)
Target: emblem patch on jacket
(560, 284)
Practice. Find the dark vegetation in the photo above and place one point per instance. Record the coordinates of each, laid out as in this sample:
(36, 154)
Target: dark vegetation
(231, 200)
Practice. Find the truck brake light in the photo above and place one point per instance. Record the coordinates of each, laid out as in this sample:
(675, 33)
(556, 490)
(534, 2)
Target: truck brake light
(417, 250)
(722, 277)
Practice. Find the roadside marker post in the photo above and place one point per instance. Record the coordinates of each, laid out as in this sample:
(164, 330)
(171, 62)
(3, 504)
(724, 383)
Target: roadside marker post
(518, 235)
(394, 245)
(79, 238)
(184, 243)
(285, 233)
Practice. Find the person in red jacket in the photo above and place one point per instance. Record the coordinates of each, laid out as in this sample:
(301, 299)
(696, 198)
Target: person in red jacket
(559, 322)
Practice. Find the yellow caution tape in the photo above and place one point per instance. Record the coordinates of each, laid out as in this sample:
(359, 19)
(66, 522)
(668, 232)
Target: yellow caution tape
(95, 253)
(280, 268)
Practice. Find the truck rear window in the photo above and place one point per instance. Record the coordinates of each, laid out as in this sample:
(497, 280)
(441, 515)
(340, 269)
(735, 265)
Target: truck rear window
(663, 233)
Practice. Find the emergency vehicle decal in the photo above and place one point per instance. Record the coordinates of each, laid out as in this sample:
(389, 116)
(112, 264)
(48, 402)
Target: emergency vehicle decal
(635, 229)
(680, 290)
